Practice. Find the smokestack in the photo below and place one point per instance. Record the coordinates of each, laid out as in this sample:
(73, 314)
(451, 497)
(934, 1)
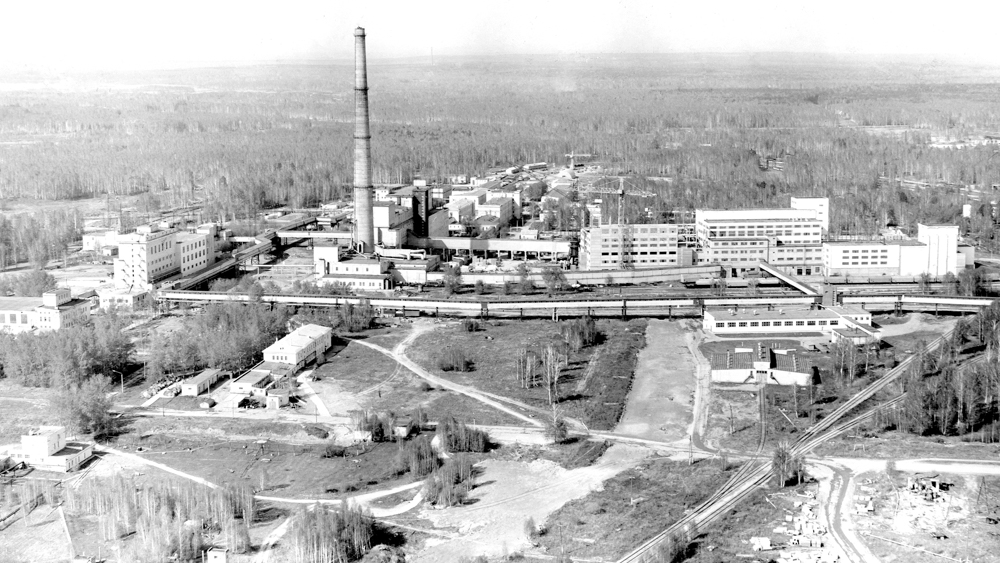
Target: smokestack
(364, 231)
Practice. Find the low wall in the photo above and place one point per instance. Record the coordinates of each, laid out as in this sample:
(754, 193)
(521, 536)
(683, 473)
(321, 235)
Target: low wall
(592, 277)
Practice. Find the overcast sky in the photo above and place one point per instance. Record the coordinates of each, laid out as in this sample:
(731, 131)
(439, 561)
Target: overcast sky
(93, 34)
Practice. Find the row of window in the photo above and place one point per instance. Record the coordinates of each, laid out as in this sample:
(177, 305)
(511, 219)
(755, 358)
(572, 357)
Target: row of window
(755, 324)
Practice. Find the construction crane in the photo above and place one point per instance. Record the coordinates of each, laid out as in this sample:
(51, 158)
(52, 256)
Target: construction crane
(624, 229)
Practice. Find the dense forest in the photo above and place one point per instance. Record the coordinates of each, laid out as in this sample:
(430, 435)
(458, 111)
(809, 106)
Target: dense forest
(242, 139)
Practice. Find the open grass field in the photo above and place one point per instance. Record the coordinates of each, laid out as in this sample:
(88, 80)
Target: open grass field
(900, 445)
(138, 429)
(277, 468)
(359, 378)
(632, 507)
(491, 352)
(22, 408)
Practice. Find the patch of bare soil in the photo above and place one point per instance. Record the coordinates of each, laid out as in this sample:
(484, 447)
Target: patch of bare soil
(914, 514)
(491, 522)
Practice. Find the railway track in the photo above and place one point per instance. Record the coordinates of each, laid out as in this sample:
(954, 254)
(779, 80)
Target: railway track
(755, 473)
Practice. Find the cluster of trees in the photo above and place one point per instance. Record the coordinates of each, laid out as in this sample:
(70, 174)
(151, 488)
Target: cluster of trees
(170, 521)
(544, 363)
(38, 237)
(67, 357)
(654, 117)
(227, 336)
(449, 484)
(456, 436)
(949, 395)
(323, 535)
(28, 284)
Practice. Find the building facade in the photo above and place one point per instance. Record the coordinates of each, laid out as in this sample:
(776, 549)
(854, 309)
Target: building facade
(644, 246)
(738, 240)
(52, 311)
(301, 346)
(158, 251)
(352, 271)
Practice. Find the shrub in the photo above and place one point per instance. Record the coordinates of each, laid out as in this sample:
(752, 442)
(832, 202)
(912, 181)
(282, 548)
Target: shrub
(470, 325)
(450, 483)
(454, 359)
(530, 528)
(417, 457)
(317, 431)
(333, 450)
(480, 287)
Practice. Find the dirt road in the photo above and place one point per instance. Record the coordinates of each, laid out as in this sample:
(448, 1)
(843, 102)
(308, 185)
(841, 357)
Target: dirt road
(660, 404)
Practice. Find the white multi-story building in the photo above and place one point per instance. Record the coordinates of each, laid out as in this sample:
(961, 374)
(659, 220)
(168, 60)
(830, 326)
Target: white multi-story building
(145, 257)
(53, 310)
(157, 251)
(645, 246)
(821, 205)
(739, 239)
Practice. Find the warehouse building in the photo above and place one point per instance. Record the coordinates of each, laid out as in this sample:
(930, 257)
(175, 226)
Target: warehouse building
(836, 322)
(301, 346)
(202, 382)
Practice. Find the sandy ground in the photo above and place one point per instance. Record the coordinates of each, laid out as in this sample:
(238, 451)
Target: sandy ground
(661, 401)
(508, 493)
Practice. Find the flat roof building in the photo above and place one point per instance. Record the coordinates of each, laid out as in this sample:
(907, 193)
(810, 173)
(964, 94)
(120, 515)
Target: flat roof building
(300, 346)
(53, 310)
(777, 321)
(47, 448)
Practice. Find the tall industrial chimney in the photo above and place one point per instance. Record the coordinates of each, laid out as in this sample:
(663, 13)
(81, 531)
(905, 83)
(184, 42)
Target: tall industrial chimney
(364, 231)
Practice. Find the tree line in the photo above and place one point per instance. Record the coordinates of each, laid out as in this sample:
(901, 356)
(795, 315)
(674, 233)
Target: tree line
(239, 149)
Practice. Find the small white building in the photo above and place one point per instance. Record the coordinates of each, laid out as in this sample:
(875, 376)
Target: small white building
(124, 299)
(194, 386)
(353, 271)
(47, 449)
(500, 207)
(301, 346)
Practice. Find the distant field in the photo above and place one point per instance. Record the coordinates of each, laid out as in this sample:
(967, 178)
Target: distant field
(22, 408)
